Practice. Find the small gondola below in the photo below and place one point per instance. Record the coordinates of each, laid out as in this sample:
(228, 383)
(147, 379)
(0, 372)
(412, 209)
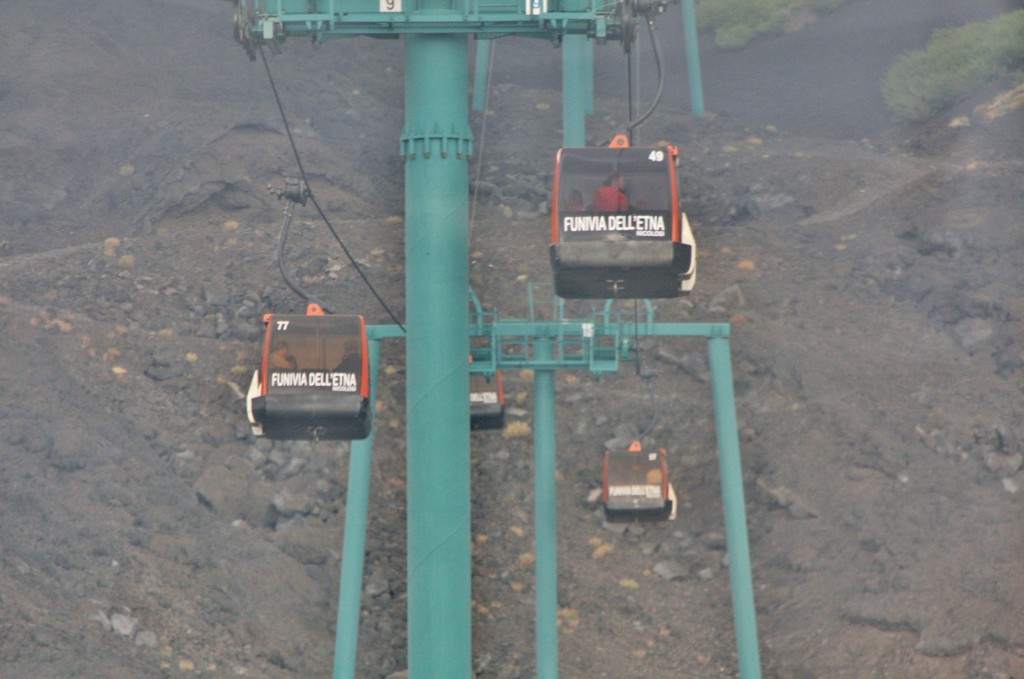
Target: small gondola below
(616, 228)
(636, 486)
(314, 379)
(486, 402)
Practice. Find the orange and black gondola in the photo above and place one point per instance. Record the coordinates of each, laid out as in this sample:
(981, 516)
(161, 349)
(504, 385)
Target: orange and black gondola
(636, 485)
(486, 402)
(314, 379)
(616, 228)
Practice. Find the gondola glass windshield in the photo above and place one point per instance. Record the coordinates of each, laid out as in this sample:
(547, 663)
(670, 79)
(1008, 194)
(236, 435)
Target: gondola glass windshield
(608, 194)
(616, 228)
(314, 353)
(314, 379)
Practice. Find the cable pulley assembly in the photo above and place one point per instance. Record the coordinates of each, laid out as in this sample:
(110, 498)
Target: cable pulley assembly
(294, 190)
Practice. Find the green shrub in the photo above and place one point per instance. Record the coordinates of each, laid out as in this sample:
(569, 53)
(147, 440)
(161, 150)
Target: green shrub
(737, 22)
(954, 63)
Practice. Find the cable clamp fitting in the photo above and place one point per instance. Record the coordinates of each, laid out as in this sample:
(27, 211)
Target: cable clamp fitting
(294, 190)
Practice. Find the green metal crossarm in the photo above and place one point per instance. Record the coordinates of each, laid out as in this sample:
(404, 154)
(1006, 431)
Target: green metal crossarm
(546, 27)
(576, 344)
(259, 21)
(556, 329)
(597, 344)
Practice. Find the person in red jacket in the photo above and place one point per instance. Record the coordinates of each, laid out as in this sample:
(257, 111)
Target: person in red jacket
(611, 195)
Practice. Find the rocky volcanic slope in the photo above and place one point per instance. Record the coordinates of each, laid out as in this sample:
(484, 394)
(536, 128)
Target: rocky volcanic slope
(876, 313)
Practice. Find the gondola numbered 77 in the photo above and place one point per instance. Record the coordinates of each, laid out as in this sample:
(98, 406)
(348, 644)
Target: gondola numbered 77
(616, 228)
(314, 379)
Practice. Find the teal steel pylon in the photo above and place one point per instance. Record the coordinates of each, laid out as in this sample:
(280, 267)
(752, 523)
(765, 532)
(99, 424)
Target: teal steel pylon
(436, 144)
(576, 95)
(545, 513)
(734, 508)
(350, 589)
(693, 58)
(560, 343)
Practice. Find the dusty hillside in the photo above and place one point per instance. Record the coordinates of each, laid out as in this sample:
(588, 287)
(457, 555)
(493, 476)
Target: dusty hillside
(871, 284)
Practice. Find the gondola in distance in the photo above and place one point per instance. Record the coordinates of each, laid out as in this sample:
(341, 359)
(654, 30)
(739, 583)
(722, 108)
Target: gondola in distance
(636, 486)
(486, 402)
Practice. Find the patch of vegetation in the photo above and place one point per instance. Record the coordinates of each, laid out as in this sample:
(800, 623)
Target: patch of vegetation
(955, 63)
(737, 22)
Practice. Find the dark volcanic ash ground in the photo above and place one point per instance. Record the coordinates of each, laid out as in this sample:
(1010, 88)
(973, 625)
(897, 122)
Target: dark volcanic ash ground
(870, 273)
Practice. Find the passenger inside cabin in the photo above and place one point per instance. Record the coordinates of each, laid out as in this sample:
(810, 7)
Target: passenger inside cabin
(611, 195)
(576, 201)
(352, 362)
(280, 357)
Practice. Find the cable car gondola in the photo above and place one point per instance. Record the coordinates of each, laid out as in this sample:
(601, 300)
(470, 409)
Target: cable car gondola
(616, 227)
(314, 379)
(636, 486)
(486, 402)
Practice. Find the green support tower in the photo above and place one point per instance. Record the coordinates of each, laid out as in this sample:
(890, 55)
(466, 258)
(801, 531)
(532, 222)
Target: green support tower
(436, 145)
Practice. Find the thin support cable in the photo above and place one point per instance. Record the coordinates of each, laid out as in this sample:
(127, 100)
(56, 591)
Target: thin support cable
(309, 194)
(296, 288)
(656, 47)
(640, 372)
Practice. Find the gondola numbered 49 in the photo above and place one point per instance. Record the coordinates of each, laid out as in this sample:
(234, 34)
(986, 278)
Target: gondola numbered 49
(616, 228)
(636, 486)
(314, 379)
